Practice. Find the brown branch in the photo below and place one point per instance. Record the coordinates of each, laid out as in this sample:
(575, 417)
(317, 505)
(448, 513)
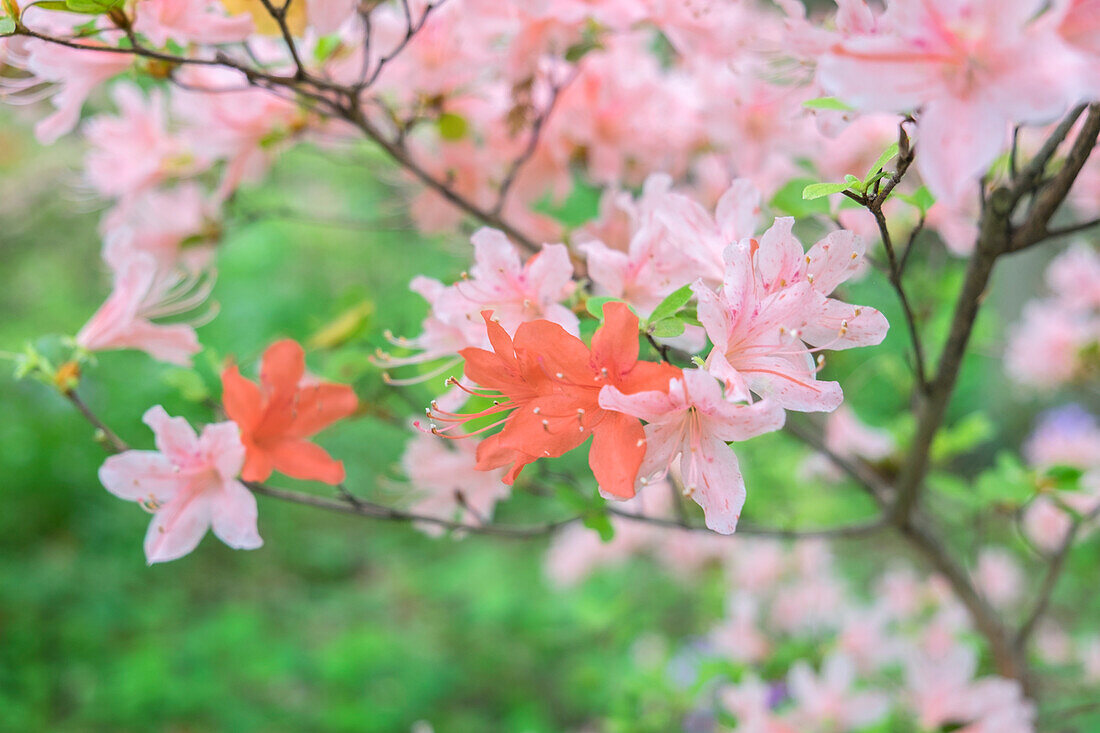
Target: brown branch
(1050, 581)
(1049, 196)
(1006, 658)
(895, 267)
(1028, 180)
(114, 443)
(532, 144)
(279, 16)
(364, 508)
(857, 470)
(403, 157)
(1072, 229)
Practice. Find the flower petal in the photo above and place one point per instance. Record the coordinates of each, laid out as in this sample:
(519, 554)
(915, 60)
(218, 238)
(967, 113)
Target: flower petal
(234, 513)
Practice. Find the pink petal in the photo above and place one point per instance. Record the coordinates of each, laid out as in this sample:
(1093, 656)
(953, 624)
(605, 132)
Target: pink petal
(174, 436)
(234, 516)
(178, 527)
(141, 475)
(713, 478)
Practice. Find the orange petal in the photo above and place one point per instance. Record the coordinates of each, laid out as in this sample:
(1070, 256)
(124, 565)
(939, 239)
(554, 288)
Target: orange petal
(282, 368)
(618, 447)
(304, 460)
(615, 343)
(319, 406)
(242, 399)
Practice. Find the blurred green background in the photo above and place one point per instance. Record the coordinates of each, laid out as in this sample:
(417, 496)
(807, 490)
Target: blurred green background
(338, 623)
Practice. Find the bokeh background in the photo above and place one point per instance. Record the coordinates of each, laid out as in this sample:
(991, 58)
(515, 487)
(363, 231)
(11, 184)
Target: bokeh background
(341, 623)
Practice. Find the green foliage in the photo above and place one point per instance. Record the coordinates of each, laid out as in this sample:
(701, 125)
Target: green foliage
(963, 436)
(828, 103)
(93, 7)
(789, 200)
(452, 126)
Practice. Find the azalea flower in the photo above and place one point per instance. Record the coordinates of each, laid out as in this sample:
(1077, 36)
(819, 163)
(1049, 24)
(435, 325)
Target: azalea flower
(77, 72)
(189, 484)
(278, 416)
(448, 484)
(774, 301)
(144, 291)
(972, 68)
(134, 151)
(827, 701)
(692, 420)
(548, 384)
(673, 241)
(514, 291)
(190, 21)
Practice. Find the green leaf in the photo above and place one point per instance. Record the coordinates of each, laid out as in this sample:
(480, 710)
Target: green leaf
(955, 489)
(595, 305)
(452, 126)
(819, 190)
(326, 46)
(788, 200)
(962, 437)
(887, 155)
(1065, 478)
(922, 198)
(600, 522)
(1008, 482)
(668, 328)
(92, 7)
(672, 303)
(827, 103)
(189, 384)
(7, 26)
(52, 5)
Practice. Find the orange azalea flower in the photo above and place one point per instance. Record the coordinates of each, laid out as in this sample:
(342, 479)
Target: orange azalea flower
(277, 416)
(549, 383)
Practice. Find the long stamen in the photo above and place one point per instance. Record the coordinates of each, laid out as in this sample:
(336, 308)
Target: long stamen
(420, 378)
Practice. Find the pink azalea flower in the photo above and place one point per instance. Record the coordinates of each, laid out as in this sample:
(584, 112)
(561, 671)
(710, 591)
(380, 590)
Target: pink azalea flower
(1074, 277)
(694, 422)
(739, 636)
(751, 702)
(773, 302)
(190, 21)
(827, 700)
(1067, 436)
(448, 485)
(189, 483)
(576, 551)
(240, 124)
(943, 691)
(999, 577)
(674, 242)
(515, 291)
(142, 292)
(1081, 24)
(1045, 347)
(175, 225)
(134, 151)
(972, 69)
(77, 72)
(1053, 644)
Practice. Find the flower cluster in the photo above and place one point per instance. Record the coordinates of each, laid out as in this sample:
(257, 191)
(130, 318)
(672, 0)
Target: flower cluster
(193, 483)
(1057, 340)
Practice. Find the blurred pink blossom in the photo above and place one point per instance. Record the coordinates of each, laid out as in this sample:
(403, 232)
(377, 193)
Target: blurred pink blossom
(189, 484)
